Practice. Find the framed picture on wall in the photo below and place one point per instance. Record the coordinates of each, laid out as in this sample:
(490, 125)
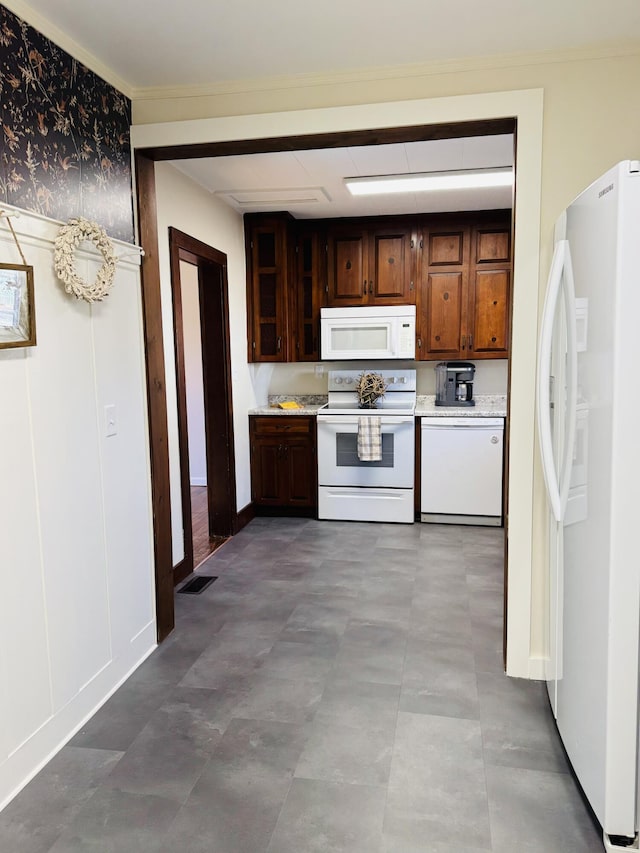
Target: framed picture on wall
(17, 310)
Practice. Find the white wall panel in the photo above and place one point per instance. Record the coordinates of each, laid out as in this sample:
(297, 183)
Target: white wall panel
(23, 631)
(120, 381)
(65, 436)
(76, 565)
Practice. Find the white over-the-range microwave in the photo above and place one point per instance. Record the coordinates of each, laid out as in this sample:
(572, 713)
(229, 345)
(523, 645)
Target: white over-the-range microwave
(365, 332)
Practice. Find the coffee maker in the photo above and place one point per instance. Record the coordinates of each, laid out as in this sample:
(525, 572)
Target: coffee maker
(454, 383)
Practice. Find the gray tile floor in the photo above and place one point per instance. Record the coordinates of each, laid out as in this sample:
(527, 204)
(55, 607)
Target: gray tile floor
(339, 689)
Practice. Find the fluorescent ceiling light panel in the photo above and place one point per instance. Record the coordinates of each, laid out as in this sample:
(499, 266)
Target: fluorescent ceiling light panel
(430, 181)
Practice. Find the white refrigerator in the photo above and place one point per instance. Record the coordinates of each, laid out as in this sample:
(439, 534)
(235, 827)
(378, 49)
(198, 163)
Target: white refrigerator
(589, 426)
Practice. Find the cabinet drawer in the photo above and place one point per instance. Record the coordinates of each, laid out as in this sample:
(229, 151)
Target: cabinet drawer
(282, 425)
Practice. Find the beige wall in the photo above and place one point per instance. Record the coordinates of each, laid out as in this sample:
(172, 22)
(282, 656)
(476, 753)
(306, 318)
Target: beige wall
(591, 115)
(184, 205)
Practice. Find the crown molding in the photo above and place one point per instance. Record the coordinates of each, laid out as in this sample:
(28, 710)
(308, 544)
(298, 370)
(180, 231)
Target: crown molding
(378, 73)
(56, 35)
(301, 81)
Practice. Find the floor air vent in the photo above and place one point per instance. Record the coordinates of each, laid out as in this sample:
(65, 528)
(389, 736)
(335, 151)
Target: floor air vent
(197, 584)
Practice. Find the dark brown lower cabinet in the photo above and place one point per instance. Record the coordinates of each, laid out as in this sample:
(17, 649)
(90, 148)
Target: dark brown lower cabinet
(283, 461)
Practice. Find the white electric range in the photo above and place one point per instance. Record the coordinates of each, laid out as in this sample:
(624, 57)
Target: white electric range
(355, 490)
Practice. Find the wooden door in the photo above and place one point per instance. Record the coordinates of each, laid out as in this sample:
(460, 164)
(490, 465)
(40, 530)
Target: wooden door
(442, 300)
(347, 274)
(267, 480)
(300, 463)
(390, 266)
(443, 305)
(488, 313)
(188, 254)
(267, 257)
(489, 293)
(308, 294)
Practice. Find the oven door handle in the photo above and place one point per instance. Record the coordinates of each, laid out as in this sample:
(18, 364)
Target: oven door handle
(341, 420)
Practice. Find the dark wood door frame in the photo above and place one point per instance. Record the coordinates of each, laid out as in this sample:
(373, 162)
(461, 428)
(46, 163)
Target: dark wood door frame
(150, 273)
(218, 402)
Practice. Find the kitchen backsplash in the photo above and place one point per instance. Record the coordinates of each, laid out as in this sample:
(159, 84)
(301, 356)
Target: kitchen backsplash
(311, 378)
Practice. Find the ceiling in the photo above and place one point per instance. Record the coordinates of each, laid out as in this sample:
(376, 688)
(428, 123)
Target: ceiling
(310, 184)
(157, 43)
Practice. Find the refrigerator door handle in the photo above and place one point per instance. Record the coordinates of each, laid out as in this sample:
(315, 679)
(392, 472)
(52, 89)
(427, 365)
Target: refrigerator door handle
(560, 279)
(572, 380)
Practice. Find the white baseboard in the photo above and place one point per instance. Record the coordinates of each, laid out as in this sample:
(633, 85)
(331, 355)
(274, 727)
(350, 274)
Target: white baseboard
(32, 755)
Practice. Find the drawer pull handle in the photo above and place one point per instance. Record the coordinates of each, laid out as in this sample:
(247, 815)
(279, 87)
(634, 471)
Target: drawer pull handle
(494, 439)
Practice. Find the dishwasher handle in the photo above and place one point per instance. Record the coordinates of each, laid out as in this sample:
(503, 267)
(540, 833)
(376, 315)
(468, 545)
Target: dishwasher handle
(462, 423)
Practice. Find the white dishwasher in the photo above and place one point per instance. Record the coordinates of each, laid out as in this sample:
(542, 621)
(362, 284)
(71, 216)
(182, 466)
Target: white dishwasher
(461, 470)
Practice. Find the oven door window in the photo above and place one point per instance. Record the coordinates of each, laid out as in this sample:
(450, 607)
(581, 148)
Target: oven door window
(347, 452)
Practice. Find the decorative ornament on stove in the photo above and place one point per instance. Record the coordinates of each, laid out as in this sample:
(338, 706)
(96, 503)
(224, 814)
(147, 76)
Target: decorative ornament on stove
(370, 387)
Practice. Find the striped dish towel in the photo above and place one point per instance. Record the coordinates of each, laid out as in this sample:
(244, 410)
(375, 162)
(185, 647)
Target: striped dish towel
(369, 439)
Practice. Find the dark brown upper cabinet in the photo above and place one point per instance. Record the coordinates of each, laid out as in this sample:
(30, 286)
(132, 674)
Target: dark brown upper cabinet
(308, 291)
(267, 250)
(464, 297)
(490, 291)
(371, 263)
(456, 268)
(286, 286)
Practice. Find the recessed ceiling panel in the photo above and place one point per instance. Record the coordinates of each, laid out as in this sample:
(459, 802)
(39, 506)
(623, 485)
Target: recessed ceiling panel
(281, 199)
(311, 183)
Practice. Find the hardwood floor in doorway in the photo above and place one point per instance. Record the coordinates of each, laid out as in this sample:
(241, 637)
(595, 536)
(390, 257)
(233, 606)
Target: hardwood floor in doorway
(203, 544)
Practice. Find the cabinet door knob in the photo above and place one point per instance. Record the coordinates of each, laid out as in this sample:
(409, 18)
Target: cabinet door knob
(370, 287)
(364, 292)
(464, 342)
(470, 342)
(279, 343)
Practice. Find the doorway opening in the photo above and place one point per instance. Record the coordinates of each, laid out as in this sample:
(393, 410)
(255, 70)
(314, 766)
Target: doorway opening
(521, 105)
(200, 297)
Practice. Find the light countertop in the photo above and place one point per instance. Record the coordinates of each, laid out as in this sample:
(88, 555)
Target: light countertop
(487, 406)
(310, 404)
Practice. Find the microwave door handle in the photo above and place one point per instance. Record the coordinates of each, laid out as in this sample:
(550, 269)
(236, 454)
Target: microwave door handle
(393, 338)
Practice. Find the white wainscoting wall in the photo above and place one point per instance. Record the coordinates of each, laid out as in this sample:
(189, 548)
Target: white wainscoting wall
(77, 611)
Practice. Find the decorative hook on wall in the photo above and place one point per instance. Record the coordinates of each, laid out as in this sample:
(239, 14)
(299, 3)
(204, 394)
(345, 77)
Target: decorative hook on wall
(8, 214)
(138, 252)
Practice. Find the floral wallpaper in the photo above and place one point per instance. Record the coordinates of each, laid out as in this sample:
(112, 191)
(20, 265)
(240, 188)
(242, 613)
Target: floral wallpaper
(65, 148)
